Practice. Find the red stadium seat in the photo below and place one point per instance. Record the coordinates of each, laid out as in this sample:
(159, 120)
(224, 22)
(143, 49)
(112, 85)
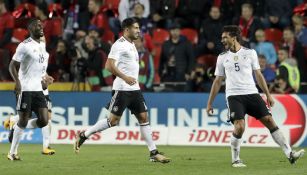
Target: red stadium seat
(112, 4)
(273, 35)
(207, 60)
(191, 35)
(159, 36)
(55, 8)
(19, 35)
(108, 36)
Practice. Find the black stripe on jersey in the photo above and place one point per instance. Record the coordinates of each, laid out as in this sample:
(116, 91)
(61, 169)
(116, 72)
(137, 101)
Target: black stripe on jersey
(223, 53)
(121, 39)
(27, 40)
(245, 48)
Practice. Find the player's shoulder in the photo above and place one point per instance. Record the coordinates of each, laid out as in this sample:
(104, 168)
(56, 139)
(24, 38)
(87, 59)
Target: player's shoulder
(245, 49)
(223, 53)
(27, 41)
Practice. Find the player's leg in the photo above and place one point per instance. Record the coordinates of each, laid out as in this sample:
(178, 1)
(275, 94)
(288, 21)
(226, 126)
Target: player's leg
(263, 114)
(236, 114)
(138, 108)
(24, 111)
(116, 107)
(279, 138)
(46, 131)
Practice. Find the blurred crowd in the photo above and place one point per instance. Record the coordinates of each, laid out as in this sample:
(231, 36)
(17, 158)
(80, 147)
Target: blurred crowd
(179, 43)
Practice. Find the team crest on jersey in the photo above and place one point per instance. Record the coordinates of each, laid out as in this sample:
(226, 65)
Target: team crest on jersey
(235, 58)
(23, 105)
(115, 108)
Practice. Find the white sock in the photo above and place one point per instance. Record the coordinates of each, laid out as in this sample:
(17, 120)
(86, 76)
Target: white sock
(279, 138)
(99, 126)
(235, 148)
(14, 118)
(16, 139)
(147, 134)
(46, 131)
(32, 124)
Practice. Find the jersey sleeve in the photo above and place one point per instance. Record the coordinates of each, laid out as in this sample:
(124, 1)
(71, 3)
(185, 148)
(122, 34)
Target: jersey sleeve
(115, 51)
(255, 61)
(219, 69)
(20, 53)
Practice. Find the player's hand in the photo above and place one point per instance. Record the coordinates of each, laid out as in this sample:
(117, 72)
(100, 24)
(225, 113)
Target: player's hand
(270, 101)
(17, 88)
(130, 80)
(209, 110)
(47, 80)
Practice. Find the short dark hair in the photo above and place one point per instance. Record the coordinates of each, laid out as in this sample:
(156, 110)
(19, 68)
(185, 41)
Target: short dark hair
(31, 22)
(128, 22)
(234, 31)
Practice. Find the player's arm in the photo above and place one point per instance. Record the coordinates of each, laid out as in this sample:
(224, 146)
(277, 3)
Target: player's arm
(262, 84)
(13, 68)
(110, 66)
(216, 86)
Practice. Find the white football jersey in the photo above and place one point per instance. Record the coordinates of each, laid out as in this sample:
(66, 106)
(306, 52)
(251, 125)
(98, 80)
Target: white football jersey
(127, 61)
(33, 59)
(238, 69)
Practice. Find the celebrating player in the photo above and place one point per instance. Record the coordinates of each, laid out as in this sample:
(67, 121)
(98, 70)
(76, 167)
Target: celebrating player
(237, 65)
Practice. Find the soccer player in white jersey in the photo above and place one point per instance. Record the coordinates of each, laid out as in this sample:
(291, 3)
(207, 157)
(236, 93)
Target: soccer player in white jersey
(237, 64)
(27, 68)
(11, 122)
(123, 62)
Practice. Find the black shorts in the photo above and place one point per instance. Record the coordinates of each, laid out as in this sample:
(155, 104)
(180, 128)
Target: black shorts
(251, 104)
(49, 102)
(31, 101)
(133, 100)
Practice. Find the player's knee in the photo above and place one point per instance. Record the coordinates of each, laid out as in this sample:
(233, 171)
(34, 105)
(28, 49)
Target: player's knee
(239, 127)
(42, 123)
(113, 121)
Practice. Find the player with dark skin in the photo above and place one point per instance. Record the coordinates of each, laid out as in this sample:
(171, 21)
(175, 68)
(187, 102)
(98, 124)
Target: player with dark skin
(36, 33)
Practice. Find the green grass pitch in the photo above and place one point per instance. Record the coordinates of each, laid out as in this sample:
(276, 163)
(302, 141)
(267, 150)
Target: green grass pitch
(130, 159)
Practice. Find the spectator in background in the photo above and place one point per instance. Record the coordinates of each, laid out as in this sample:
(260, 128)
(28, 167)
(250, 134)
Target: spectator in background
(126, 8)
(79, 42)
(59, 62)
(281, 86)
(147, 70)
(277, 14)
(299, 29)
(295, 51)
(162, 12)
(98, 19)
(6, 25)
(78, 68)
(267, 72)
(98, 76)
(288, 69)
(210, 32)
(190, 12)
(177, 57)
(6, 33)
(52, 28)
(266, 48)
(248, 23)
(94, 32)
(145, 24)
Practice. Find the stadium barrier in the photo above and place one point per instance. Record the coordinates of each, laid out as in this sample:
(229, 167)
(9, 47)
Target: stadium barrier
(176, 119)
